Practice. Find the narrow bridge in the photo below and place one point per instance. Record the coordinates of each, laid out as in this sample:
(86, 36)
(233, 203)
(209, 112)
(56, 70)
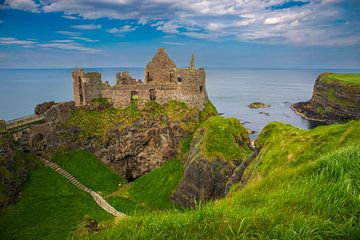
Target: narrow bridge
(22, 123)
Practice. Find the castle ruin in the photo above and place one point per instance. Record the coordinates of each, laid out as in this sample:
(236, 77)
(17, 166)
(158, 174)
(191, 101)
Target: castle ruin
(163, 81)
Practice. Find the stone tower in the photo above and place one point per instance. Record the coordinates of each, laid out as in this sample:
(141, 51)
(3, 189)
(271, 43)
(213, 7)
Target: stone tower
(86, 86)
(159, 68)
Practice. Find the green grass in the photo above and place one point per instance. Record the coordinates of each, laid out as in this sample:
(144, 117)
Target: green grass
(208, 111)
(304, 185)
(50, 207)
(148, 193)
(155, 188)
(285, 146)
(221, 136)
(97, 124)
(350, 78)
(90, 171)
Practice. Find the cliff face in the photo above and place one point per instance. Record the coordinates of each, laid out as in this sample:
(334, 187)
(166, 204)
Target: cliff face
(218, 146)
(336, 98)
(13, 170)
(132, 141)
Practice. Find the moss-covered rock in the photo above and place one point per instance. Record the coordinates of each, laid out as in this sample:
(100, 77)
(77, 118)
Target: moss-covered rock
(336, 98)
(13, 170)
(217, 147)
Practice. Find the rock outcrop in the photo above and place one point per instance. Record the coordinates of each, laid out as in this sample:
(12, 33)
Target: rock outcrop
(43, 107)
(13, 171)
(132, 141)
(218, 147)
(336, 98)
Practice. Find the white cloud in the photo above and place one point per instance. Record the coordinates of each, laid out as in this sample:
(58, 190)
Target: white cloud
(173, 43)
(15, 41)
(244, 20)
(26, 5)
(87, 26)
(71, 17)
(69, 46)
(68, 33)
(85, 39)
(121, 30)
(62, 41)
(64, 44)
(168, 27)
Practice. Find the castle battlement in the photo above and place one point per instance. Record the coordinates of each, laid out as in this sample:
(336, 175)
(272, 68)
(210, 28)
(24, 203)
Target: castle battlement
(163, 81)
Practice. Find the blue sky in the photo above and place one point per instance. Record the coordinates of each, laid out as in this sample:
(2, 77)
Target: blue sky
(221, 33)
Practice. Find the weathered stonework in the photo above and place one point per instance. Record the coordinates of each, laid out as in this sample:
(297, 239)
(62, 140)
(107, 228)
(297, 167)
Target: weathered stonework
(163, 81)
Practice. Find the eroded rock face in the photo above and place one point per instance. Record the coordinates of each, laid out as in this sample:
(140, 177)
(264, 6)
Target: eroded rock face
(332, 101)
(138, 149)
(43, 107)
(13, 172)
(210, 165)
(130, 149)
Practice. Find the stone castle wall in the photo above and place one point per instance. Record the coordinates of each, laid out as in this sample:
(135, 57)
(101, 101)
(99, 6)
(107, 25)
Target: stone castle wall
(163, 82)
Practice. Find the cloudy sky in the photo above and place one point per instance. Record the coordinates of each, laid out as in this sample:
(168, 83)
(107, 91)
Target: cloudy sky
(222, 33)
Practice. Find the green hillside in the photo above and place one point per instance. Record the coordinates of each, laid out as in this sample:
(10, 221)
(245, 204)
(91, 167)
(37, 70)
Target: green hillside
(50, 207)
(302, 185)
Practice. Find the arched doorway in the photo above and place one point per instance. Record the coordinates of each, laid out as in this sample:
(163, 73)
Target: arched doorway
(134, 95)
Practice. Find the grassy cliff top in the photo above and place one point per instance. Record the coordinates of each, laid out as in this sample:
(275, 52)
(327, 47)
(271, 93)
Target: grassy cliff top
(223, 137)
(98, 123)
(349, 78)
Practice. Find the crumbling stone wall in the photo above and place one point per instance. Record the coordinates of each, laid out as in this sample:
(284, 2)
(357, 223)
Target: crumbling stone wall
(163, 82)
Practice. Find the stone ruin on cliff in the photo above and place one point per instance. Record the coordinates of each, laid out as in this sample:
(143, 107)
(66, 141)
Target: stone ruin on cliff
(163, 81)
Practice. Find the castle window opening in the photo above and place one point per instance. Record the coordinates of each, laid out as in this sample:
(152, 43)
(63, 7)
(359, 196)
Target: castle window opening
(171, 76)
(152, 93)
(179, 79)
(134, 95)
(201, 89)
(148, 76)
(80, 91)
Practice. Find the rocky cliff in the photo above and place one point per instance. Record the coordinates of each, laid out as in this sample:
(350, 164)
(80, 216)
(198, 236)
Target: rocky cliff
(336, 98)
(14, 167)
(218, 147)
(132, 141)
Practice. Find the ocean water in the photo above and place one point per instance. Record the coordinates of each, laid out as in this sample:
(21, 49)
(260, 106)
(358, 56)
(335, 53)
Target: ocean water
(231, 90)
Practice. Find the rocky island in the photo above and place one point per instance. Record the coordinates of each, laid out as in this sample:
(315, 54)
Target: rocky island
(336, 98)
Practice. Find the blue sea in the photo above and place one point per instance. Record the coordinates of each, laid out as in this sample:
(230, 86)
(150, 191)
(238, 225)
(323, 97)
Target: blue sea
(231, 90)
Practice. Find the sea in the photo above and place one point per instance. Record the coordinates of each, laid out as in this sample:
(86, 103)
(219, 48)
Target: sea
(230, 90)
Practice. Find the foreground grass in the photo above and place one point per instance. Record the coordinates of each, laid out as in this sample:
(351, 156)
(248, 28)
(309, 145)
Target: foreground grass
(303, 185)
(50, 207)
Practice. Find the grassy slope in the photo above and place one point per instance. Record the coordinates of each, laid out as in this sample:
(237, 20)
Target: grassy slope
(222, 137)
(305, 185)
(90, 171)
(50, 207)
(351, 78)
(148, 193)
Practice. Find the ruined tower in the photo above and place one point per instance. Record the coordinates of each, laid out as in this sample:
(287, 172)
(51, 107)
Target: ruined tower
(163, 81)
(86, 86)
(159, 68)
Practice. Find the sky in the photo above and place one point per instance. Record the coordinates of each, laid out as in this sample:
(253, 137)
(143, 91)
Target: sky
(221, 33)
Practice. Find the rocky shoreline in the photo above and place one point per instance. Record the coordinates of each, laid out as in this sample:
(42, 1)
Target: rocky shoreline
(335, 99)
